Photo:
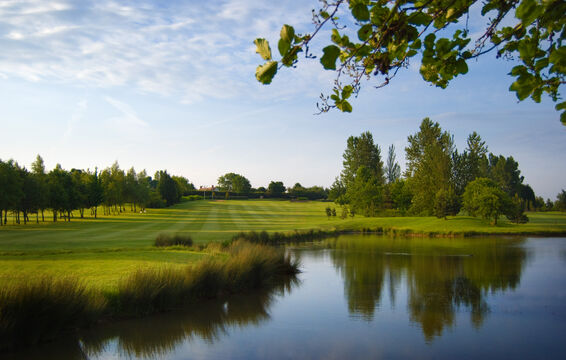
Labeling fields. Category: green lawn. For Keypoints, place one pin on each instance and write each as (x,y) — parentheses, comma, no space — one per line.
(101,251)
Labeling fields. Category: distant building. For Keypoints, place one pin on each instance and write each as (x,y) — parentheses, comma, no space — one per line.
(211,189)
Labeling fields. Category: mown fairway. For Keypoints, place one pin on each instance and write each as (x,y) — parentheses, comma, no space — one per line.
(101,251)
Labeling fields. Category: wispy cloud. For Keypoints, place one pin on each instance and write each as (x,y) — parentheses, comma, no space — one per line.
(189,51)
(128,115)
(77,116)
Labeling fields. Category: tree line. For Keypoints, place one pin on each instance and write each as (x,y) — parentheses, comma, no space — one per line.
(24,193)
(232,183)
(439,180)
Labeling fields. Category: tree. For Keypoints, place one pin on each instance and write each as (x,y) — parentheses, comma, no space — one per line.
(436,33)
(95,192)
(361,151)
(560,203)
(130,188)
(38,170)
(392,168)
(429,165)
(401,195)
(59,182)
(167,188)
(471,164)
(484,198)
(276,189)
(365,195)
(337,192)
(10,188)
(515,211)
(328,211)
(527,196)
(505,172)
(235,183)
(446,203)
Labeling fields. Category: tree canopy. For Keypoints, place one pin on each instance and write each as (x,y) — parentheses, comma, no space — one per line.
(377,38)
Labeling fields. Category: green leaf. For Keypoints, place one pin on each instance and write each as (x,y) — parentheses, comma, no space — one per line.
(419,18)
(335,37)
(287,35)
(344,106)
(461,66)
(265,73)
(328,60)
(360,12)
(283,47)
(263,49)
(365,32)
(528,11)
(347,91)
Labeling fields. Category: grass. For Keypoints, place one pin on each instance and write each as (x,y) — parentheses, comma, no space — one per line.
(116,266)
(100,251)
(36,310)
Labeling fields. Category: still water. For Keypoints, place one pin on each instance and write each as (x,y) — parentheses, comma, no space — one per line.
(367,297)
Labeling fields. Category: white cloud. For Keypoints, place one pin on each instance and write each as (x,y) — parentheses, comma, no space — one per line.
(186,50)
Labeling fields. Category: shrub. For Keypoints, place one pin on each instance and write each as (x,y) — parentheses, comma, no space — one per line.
(173,240)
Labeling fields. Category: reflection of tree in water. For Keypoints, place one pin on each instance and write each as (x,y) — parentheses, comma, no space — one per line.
(441,275)
(155,336)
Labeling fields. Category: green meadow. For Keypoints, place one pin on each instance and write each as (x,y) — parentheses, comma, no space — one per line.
(102,251)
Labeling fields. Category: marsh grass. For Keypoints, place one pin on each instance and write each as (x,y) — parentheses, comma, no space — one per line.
(249,266)
(280,238)
(164,239)
(37,310)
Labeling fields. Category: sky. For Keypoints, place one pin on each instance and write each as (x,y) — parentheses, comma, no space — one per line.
(170,85)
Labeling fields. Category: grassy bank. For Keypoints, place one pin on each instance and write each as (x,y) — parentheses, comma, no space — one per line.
(100,251)
(38,309)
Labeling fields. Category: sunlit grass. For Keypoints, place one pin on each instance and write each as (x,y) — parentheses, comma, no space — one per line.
(101,251)
(35,309)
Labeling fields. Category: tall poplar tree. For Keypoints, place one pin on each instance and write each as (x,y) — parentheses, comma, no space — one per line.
(429,165)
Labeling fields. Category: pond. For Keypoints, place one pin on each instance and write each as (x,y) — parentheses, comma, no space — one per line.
(366,297)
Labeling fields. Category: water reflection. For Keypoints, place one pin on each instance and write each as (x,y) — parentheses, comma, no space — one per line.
(156,336)
(440,276)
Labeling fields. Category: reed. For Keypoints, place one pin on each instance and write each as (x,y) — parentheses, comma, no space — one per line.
(37,310)
(279,238)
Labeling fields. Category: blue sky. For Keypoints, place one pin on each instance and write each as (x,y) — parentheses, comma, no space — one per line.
(170,85)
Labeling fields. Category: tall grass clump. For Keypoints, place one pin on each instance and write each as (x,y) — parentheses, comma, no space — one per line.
(173,240)
(249,266)
(253,266)
(39,309)
(278,238)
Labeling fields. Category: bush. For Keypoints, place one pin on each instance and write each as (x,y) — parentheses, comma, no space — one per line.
(193,197)
(173,240)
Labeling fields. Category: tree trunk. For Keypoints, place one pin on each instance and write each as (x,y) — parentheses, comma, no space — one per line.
(82,212)
(68,216)
(42,216)
(37,217)
(1,217)
(25,218)
(54,215)
(5,216)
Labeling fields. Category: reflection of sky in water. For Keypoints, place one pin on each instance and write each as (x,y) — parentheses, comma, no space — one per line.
(374,298)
